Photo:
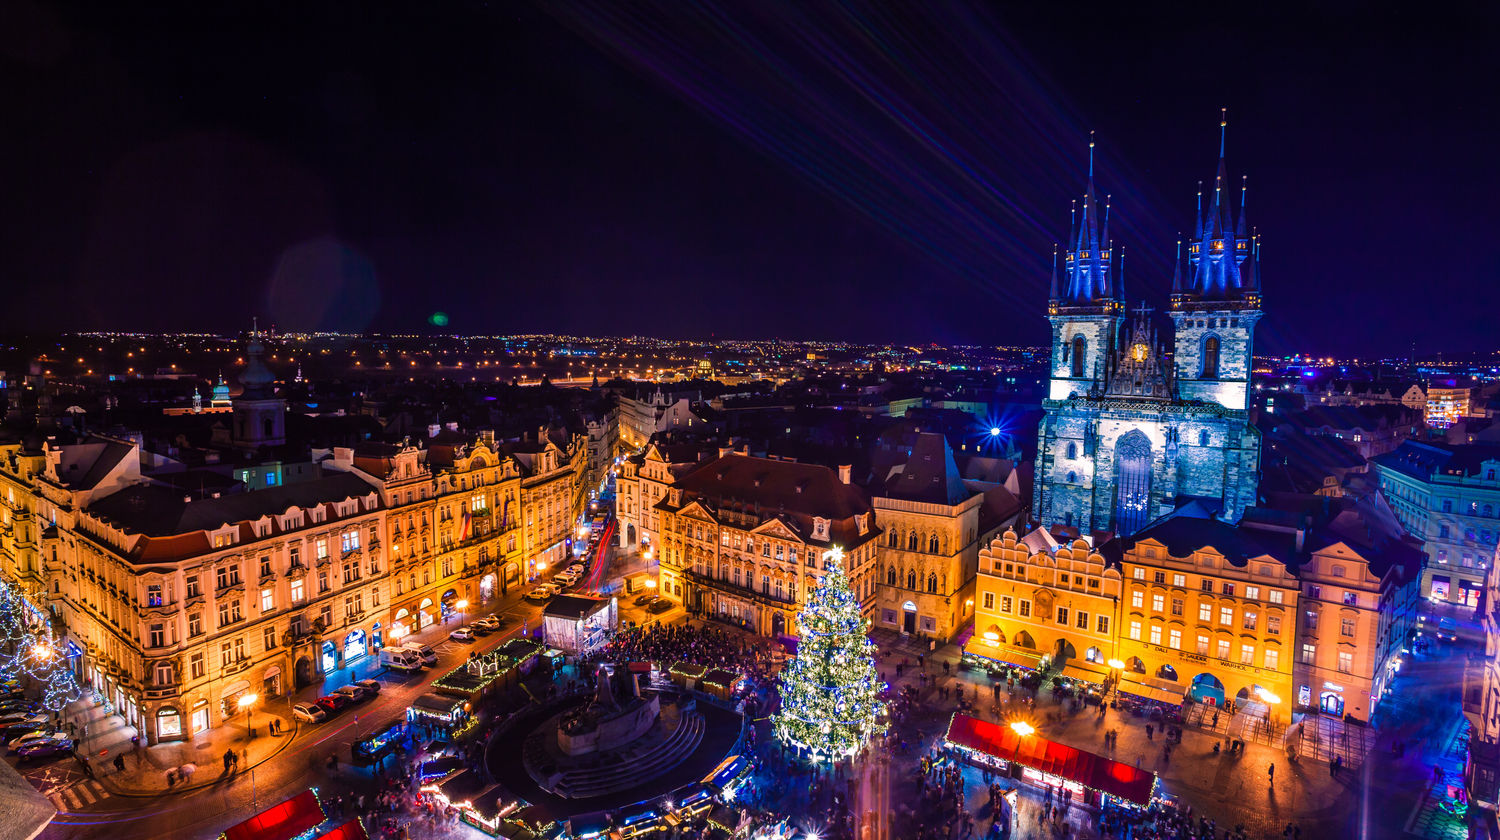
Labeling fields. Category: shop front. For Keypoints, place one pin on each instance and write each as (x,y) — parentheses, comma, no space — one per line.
(330,657)
(199,718)
(270,682)
(487,587)
(229,698)
(427,614)
(355,646)
(168,724)
(401,625)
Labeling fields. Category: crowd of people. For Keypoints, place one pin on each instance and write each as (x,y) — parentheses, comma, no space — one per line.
(700,644)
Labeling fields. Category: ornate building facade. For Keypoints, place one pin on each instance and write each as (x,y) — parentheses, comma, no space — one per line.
(1128,436)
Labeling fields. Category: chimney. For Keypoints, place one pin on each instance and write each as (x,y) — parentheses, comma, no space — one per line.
(844,471)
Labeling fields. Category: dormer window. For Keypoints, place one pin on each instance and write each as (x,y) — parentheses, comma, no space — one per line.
(820,528)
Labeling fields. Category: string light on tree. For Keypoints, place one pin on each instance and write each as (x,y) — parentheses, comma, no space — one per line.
(830,692)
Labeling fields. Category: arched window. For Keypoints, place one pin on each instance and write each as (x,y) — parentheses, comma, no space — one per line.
(1072,450)
(267,426)
(894,539)
(931,582)
(1203,438)
(911,541)
(890,576)
(911,580)
(1211,357)
(1080,347)
(932,545)
(1072,478)
(1489,510)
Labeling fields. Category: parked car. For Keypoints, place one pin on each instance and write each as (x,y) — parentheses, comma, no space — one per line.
(489,621)
(659,606)
(462,634)
(46,748)
(309,713)
(644,598)
(371,686)
(480,628)
(334,703)
(20,722)
(27,737)
(427,654)
(355,693)
(541,593)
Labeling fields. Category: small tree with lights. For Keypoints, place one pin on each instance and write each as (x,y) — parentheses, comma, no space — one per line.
(830,692)
(28,649)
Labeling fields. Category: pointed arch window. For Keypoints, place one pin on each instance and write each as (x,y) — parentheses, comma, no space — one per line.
(911,580)
(1080,348)
(1203,438)
(911,541)
(932,545)
(1072,478)
(1072,450)
(1211,357)
(894,540)
(931,582)
(890,576)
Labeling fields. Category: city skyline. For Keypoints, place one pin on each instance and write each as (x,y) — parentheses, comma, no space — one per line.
(363,180)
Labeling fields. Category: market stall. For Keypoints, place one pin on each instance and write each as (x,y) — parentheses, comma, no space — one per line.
(374,749)
(723,684)
(578,625)
(689,675)
(437,710)
(1093,779)
(283,821)
(351,830)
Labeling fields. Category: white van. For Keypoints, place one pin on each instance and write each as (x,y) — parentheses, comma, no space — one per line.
(400,659)
(425,654)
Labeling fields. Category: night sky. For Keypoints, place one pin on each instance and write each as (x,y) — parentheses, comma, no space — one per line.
(684,170)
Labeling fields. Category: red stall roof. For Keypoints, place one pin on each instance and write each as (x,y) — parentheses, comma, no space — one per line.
(351,830)
(1090,770)
(280,822)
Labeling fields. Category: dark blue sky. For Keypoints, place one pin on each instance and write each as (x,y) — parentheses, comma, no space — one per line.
(821,173)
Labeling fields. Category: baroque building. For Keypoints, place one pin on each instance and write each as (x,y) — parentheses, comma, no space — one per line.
(1129,436)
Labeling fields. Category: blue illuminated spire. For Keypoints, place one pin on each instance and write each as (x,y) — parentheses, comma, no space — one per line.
(1177,267)
(1086,262)
(1221,246)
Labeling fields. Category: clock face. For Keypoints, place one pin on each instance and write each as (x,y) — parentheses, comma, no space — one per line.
(1138,352)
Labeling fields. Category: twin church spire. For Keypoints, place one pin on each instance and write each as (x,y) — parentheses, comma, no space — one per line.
(1221,260)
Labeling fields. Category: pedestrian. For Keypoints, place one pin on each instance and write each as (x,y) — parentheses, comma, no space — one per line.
(171,777)
(120,763)
(1271,771)
(1149,730)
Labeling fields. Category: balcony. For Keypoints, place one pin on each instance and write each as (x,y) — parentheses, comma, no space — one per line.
(162,692)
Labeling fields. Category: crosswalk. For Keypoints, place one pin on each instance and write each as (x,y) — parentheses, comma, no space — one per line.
(77,796)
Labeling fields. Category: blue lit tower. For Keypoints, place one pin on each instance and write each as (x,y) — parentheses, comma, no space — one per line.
(1086,314)
(1216,306)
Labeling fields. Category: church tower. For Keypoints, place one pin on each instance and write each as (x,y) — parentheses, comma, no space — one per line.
(259,415)
(1216,305)
(1086,313)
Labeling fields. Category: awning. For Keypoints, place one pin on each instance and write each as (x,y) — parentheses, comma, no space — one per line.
(234,688)
(351,830)
(1018,657)
(280,822)
(1074,672)
(273,671)
(1151,692)
(1092,771)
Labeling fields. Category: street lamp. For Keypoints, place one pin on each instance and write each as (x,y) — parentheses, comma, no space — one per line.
(246,701)
(1022,729)
(462,605)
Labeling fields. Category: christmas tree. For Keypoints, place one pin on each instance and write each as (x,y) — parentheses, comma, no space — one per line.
(830,693)
(28,649)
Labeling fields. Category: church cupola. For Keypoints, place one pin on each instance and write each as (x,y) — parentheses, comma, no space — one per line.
(259,414)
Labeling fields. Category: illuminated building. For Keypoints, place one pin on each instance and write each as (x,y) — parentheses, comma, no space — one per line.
(1037,599)
(1447,403)
(742,536)
(1448,497)
(935,523)
(1126,436)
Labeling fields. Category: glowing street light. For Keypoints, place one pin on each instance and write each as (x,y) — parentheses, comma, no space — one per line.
(1022,729)
(1116,664)
(245,703)
(461,605)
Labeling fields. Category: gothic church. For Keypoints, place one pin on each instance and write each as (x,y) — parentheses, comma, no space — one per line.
(1128,435)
